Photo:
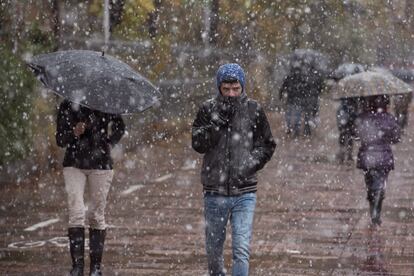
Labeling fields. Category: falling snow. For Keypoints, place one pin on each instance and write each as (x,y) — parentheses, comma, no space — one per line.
(312,216)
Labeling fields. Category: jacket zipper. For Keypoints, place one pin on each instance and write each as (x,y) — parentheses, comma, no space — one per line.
(229,131)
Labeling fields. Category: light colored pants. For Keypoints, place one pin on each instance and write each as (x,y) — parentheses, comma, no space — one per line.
(99,182)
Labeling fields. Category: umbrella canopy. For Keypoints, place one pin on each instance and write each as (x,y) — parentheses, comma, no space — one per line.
(98,81)
(308,61)
(403,74)
(347,69)
(369,83)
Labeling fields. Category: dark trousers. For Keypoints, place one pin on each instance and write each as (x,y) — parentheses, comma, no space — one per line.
(346,142)
(376,181)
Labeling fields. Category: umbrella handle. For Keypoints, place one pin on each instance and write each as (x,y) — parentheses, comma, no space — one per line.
(39,72)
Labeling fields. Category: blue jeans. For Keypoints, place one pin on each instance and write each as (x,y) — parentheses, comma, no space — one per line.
(293,117)
(217,211)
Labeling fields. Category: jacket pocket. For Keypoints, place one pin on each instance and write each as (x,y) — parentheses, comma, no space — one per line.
(247,167)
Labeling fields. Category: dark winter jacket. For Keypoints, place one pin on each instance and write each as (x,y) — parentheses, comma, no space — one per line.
(302,90)
(91,150)
(346,115)
(377,131)
(235,151)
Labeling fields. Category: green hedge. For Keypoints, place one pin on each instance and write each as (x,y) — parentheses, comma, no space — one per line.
(16,94)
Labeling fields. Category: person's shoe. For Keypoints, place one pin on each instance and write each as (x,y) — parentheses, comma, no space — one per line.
(340,157)
(77,249)
(96,247)
(376,221)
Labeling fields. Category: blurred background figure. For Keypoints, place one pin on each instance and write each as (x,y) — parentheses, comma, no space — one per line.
(301,89)
(347,113)
(402,101)
(293,90)
(345,116)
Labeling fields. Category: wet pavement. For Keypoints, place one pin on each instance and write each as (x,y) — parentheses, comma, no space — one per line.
(311,216)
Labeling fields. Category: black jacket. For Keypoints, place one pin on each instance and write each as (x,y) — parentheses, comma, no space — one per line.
(235,152)
(302,90)
(91,150)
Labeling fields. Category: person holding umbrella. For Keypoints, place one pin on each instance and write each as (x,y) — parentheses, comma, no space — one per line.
(302,88)
(377,130)
(84,133)
(97,89)
(233,134)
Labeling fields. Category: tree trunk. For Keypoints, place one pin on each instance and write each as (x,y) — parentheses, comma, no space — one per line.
(214,21)
(56,23)
(116,8)
(153,19)
(296,36)
(17,20)
(5,23)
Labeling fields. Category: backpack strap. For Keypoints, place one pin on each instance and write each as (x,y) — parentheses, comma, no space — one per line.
(252,108)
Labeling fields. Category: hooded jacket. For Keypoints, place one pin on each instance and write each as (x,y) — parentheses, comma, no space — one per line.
(234,152)
(377,131)
(91,150)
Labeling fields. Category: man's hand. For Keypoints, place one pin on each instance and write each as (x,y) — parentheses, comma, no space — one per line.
(79,129)
(222,114)
(219,120)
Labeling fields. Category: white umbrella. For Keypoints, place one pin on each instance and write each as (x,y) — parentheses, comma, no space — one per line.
(370,83)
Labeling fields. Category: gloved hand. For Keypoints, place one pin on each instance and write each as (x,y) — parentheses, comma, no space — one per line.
(222,114)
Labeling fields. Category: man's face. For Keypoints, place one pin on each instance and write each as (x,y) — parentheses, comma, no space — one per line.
(230,89)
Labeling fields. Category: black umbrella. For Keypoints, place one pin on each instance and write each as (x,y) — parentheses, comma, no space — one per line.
(98,81)
(309,61)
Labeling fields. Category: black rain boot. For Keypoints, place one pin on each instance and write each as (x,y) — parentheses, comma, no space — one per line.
(370,198)
(96,247)
(77,249)
(376,207)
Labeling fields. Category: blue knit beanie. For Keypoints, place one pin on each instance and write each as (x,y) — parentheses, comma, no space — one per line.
(230,72)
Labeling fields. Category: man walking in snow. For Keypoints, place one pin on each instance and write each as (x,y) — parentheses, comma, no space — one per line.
(233,133)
